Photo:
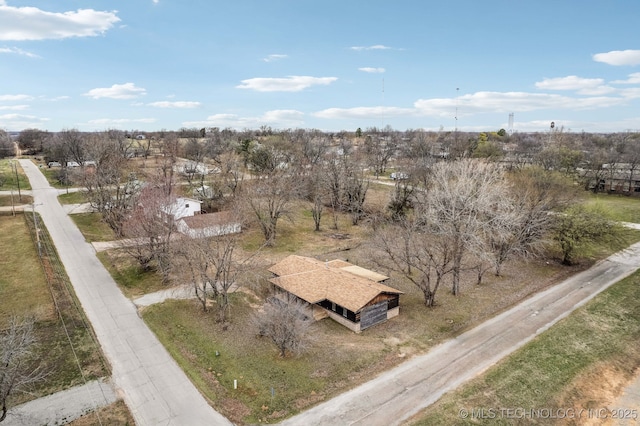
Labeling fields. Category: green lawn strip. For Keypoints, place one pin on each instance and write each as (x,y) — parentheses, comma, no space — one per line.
(24,291)
(537,376)
(8,176)
(193,337)
(133,281)
(77,197)
(595,252)
(617,207)
(23,287)
(93,227)
(52,174)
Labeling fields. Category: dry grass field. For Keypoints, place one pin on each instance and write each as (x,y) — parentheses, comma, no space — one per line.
(29,289)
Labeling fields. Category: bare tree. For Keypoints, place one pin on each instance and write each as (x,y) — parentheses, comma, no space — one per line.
(212,265)
(527,214)
(401,198)
(74,144)
(151,223)
(112,187)
(379,148)
(457,206)
(31,141)
(356,186)
(282,319)
(7,147)
(313,144)
(170,149)
(422,257)
(269,198)
(19,362)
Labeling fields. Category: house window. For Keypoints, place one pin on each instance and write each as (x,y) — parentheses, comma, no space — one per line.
(344,312)
(186,205)
(333,306)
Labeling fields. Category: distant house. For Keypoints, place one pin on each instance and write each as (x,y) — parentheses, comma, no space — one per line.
(623,178)
(351,295)
(182,207)
(209,225)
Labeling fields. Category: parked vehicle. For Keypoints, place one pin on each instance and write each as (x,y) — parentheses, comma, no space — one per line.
(399,176)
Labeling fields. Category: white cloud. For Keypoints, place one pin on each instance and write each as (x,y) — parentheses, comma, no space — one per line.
(274,57)
(294,83)
(480,103)
(372,70)
(13,107)
(176,104)
(633,79)
(630,93)
(117,91)
(374,47)
(280,116)
(571,82)
(619,57)
(584,86)
(486,102)
(9,98)
(20,121)
(31,23)
(275,118)
(18,51)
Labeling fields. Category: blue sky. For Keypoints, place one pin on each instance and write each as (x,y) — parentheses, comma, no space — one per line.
(331,65)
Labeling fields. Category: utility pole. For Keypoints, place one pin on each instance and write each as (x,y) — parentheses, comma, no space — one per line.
(455,133)
(15,169)
(35,223)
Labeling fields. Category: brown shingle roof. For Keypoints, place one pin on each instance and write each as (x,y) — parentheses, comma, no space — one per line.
(201,221)
(314,281)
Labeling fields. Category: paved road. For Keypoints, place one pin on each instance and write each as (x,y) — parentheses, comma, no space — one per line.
(154,388)
(396,395)
(66,405)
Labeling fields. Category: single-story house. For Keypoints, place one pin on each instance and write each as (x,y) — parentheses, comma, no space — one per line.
(349,294)
(183,207)
(209,225)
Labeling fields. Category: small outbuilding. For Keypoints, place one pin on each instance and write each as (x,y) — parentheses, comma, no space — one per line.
(209,225)
(183,207)
(355,297)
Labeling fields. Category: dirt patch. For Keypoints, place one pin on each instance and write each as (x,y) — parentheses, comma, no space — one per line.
(114,414)
(234,410)
(600,386)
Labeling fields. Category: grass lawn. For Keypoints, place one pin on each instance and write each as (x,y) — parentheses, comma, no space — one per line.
(125,271)
(618,207)
(8,176)
(23,287)
(269,387)
(579,363)
(340,359)
(5,200)
(92,227)
(24,292)
(77,197)
(114,414)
